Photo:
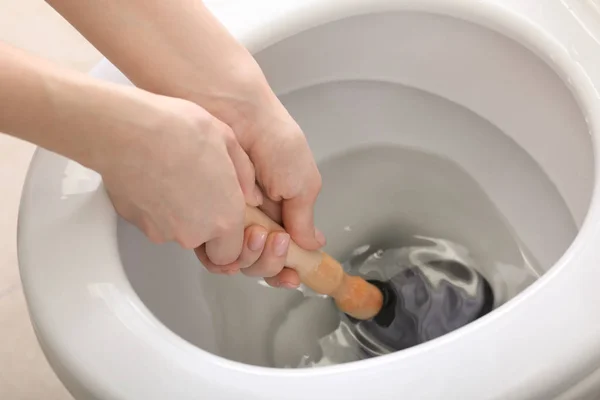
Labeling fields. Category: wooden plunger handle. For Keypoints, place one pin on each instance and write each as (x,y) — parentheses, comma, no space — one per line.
(323,274)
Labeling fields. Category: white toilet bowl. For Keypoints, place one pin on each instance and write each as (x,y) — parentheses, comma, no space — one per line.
(481,83)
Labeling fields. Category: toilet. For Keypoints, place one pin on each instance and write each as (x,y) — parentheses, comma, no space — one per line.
(506,91)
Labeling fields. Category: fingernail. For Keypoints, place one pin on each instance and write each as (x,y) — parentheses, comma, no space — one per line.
(258,195)
(288,285)
(257,240)
(232,271)
(282,241)
(320,237)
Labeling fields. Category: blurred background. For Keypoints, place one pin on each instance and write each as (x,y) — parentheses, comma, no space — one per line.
(24,373)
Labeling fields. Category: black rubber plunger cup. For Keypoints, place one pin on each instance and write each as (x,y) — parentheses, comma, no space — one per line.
(422,303)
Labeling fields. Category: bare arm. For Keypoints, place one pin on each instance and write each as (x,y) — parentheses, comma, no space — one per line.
(148,148)
(64,111)
(176,48)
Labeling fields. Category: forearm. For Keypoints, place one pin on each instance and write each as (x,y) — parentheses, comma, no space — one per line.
(63,111)
(175,48)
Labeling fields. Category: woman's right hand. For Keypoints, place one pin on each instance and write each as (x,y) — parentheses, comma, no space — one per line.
(179,174)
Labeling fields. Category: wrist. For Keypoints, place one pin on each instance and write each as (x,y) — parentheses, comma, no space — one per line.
(74,115)
(112,124)
(243,100)
(238,95)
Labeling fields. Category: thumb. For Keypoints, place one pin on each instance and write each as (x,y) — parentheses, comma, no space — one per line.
(298,219)
(245,173)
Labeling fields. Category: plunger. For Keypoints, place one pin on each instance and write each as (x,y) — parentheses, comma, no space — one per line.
(323,274)
(388,316)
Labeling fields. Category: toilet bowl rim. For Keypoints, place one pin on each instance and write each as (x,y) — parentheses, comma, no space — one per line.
(590,228)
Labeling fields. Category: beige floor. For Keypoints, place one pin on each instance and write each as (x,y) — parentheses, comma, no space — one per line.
(24,373)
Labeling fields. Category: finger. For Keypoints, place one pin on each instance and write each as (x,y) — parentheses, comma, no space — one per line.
(255,238)
(287,278)
(227,246)
(225,249)
(245,172)
(272,209)
(298,219)
(272,258)
(230,269)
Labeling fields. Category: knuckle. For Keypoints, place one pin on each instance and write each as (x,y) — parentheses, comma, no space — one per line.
(308,185)
(196,115)
(297,140)
(189,232)
(292,187)
(189,113)
(188,242)
(226,134)
(274,193)
(228,222)
(230,212)
(222,225)
(316,183)
(153,234)
(154,237)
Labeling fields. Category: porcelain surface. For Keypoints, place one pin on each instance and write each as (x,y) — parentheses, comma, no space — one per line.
(105,344)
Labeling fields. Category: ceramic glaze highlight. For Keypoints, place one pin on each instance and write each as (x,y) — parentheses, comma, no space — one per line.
(540,88)
(393,197)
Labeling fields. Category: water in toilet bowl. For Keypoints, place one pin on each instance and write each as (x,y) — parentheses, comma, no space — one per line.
(443,283)
(404,172)
(436,289)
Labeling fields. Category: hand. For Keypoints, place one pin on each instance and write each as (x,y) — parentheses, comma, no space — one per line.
(179,174)
(285,170)
(207,66)
(284,165)
(263,255)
